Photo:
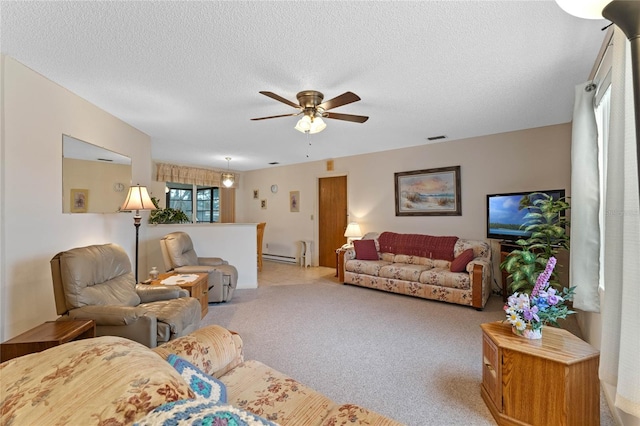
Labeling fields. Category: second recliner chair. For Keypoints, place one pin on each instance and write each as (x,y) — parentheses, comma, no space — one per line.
(179,256)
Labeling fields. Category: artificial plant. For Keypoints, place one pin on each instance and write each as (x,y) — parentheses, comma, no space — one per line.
(547,222)
(166,215)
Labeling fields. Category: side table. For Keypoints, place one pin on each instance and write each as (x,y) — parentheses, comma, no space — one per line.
(45,336)
(197,289)
(340,263)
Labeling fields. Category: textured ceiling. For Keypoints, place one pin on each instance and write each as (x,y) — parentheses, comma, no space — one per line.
(188,73)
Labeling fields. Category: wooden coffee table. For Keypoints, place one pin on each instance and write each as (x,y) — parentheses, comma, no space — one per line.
(198,288)
(45,336)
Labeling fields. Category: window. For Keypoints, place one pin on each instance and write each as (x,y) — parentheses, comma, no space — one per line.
(206,202)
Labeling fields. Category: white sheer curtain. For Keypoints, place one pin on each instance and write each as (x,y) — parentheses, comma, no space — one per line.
(585,201)
(620,345)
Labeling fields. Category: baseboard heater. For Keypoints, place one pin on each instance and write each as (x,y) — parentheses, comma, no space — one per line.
(279,258)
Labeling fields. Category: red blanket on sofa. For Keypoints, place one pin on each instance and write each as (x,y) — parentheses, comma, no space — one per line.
(418,245)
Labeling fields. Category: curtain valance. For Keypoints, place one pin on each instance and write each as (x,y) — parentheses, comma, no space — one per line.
(191,175)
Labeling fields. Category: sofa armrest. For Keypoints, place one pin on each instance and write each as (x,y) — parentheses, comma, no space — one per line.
(154,293)
(110,315)
(479,270)
(212,261)
(213,349)
(350,254)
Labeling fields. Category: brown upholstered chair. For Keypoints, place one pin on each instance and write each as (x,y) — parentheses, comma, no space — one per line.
(260,233)
(179,256)
(96,282)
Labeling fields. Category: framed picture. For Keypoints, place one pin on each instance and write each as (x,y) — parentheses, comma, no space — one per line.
(256,194)
(294,201)
(263,204)
(79,200)
(431,192)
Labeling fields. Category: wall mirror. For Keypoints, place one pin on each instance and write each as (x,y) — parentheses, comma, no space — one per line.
(94,179)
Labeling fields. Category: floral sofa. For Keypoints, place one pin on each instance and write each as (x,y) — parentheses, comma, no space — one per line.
(449,269)
(110,380)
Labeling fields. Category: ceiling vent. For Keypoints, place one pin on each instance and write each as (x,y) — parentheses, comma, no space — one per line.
(435,138)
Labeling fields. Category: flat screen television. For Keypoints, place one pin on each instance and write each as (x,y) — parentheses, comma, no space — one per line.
(504,220)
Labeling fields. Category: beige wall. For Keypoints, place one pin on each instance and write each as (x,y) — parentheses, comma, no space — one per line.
(533,159)
(36,113)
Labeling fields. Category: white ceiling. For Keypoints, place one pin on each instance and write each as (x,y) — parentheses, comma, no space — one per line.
(188,73)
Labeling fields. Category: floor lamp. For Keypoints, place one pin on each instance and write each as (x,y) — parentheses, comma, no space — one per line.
(137,199)
(626,15)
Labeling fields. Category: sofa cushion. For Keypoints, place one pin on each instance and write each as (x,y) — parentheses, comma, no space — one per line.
(200,412)
(459,264)
(402,271)
(368,267)
(268,393)
(202,384)
(110,380)
(430,246)
(442,277)
(365,249)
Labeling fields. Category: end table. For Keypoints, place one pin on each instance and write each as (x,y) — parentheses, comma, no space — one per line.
(45,336)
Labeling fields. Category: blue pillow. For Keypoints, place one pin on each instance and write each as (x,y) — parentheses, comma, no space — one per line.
(201,383)
(198,412)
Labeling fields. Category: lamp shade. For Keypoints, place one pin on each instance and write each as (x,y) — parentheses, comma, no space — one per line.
(138,199)
(228,179)
(353,231)
(587,9)
(304,124)
(317,125)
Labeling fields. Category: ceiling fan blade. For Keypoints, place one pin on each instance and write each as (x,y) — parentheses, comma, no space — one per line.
(344,99)
(276,116)
(281,99)
(346,117)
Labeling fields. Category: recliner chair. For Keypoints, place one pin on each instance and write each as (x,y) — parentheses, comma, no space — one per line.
(178,255)
(96,282)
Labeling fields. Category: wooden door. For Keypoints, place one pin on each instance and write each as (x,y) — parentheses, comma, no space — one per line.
(332,218)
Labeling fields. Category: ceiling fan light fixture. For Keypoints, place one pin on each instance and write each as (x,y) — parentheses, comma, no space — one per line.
(228,178)
(317,125)
(304,124)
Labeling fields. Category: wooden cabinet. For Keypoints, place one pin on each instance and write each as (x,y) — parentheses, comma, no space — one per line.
(551,381)
(197,289)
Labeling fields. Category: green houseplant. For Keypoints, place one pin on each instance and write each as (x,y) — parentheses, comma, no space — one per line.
(547,222)
(166,215)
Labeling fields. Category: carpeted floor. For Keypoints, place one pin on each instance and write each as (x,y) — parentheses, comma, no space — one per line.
(414,360)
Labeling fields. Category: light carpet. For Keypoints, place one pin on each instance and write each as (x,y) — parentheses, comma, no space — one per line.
(413,360)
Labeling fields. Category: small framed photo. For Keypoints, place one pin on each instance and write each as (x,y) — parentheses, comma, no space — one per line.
(79,200)
(256,194)
(263,204)
(431,192)
(294,201)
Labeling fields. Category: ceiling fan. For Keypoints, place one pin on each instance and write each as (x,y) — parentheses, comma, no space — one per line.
(310,104)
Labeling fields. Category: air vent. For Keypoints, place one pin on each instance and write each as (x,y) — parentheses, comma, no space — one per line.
(105,159)
(435,138)
(273,163)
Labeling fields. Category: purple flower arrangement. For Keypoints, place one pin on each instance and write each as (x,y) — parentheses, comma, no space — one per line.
(528,313)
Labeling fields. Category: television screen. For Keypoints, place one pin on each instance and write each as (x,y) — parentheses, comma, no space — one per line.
(504,220)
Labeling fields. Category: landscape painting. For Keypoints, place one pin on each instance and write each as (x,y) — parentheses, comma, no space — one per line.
(431,192)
